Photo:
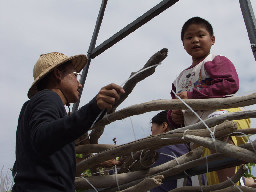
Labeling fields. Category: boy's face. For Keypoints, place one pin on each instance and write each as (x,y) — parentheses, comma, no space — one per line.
(197,42)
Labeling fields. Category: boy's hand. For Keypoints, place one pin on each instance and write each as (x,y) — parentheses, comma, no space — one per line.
(177,117)
(108,95)
(183,95)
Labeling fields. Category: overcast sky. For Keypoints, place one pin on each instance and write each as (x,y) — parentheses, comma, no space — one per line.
(30,28)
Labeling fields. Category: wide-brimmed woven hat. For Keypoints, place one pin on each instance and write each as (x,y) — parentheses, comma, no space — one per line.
(47,62)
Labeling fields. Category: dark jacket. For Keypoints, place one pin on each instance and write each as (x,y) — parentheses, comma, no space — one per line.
(45,151)
(165,154)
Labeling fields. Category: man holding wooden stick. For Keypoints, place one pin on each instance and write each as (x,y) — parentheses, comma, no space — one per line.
(45,151)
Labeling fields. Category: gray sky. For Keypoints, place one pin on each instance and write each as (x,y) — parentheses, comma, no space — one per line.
(30,28)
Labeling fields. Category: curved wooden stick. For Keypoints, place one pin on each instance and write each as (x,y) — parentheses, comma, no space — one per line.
(173,170)
(235,189)
(93,148)
(146,184)
(152,142)
(157,58)
(110,180)
(196,104)
(222,185)
(223,147)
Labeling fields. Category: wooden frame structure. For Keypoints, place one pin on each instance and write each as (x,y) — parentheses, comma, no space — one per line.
(93,52)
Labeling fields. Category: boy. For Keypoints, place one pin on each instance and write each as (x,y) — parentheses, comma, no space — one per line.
(45,151)
(209,76)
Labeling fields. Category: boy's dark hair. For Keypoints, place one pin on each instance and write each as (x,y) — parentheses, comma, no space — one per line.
(43,83)
(160,118)
(198,21)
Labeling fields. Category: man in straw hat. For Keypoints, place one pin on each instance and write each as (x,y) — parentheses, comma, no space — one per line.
(45,151)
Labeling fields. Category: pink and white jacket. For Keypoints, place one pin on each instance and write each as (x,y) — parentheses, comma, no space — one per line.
(214,77)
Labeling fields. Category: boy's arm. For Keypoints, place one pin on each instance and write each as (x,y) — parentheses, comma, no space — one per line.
(170,113)
(224,80)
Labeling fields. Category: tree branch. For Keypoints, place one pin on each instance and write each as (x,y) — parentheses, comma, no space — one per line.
(110,180)
(157,58)
(196,104)
(223,147)
(146,184)
(152,142)
(222,185)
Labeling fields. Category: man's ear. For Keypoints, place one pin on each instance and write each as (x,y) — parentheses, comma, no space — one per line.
(57,74)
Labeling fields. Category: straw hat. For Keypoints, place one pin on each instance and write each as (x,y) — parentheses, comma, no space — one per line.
(47,62)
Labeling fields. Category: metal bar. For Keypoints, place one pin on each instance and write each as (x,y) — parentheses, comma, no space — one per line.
(159,8)
(250,23)
(91,47)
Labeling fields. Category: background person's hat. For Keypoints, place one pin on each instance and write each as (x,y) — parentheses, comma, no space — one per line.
(47,62)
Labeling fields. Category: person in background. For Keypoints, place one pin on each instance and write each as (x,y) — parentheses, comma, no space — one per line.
(209,76)
(161,125)
(45,150)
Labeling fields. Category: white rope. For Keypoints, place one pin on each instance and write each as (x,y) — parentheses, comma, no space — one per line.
(89,183)
(207,170)
(250,141)
(117,179)
(122,86)
(212,136)
(140,72)
(97,118)
(107,118)
(234,184)
(193,111)
(175,158)
(169,156)
(184,133)
(141,161)
(211,132)
(132,155)
(179,164)
(133,131)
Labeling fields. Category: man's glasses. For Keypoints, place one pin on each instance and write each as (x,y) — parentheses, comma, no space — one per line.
(77,75)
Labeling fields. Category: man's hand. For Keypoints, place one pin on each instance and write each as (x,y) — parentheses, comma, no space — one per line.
(177,117)
(183,95)
(108,95)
